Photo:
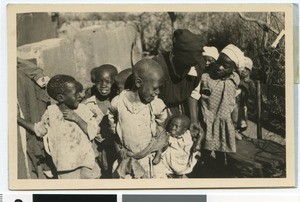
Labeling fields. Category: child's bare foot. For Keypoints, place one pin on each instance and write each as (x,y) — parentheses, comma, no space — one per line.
(238,136)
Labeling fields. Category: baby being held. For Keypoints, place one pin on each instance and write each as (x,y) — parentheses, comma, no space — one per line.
(179,158)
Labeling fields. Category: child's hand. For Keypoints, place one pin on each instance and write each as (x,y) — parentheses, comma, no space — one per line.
(70,115)
(124,153)
(156,160)
(198,142)
(195,128)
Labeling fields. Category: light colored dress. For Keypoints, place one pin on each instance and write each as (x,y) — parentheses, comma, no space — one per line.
(136,125)
(178,158)
(91,103)
(217,108)
(69,147)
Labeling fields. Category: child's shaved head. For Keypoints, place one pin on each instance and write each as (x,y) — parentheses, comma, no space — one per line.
(148,78)
(58,84)
(147,69)
(97,72)
(185,120)
(178,125)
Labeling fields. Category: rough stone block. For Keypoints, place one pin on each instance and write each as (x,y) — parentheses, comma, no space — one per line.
(97,45)
(55,56)
(34,27)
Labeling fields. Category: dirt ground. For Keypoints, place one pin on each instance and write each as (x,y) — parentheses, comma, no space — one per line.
(267,135)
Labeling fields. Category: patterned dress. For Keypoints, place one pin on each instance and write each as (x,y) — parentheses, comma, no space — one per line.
(217,103)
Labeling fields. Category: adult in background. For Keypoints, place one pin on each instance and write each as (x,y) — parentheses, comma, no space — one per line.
(183,67)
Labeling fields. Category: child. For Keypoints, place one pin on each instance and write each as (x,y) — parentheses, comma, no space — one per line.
(210,56)
(135,116)
(124,80)
(67,129)
(246,88)
(178,158)
(218,90)
(98,100)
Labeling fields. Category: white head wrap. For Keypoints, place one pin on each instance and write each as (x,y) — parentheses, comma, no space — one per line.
(248,63)
(236,55)
(211,51)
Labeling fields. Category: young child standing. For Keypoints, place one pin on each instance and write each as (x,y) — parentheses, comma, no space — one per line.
(245,89)
(98,100)
(218,90)
(179,157)
(135,116)
(210,55)
(67,129)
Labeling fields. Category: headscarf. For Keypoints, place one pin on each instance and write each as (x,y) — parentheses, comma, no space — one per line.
(211,51)
(236,55)
(248,63)
(187,49)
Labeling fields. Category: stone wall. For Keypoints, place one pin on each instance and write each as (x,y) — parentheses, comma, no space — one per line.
(34,27)
(97,45)
(55,56)
(88,47)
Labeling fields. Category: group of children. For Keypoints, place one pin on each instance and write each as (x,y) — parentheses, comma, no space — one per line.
(225,88)
(119,128)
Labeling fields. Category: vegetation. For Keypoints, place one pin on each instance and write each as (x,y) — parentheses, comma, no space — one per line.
(254,33)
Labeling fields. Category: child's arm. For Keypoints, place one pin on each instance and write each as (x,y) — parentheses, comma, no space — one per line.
(26,124)
(160,112)
(113,115)
(70,115)
(40,129)
(193,109)
(195,124)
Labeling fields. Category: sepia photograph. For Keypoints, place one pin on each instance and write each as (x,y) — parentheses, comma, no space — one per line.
(152,96)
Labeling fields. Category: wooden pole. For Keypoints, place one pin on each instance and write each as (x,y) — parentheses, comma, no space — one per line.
(259,119)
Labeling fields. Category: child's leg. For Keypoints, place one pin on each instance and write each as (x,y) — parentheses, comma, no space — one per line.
(235,116)
(207,164)
(243,108)
(221,169)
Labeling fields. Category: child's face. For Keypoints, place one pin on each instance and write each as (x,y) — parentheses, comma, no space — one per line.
(81,95)
(176,127)
(208,60)
(150,88)
(81,92)
(225,66)
(104,83)
(244,73)
(71,97)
